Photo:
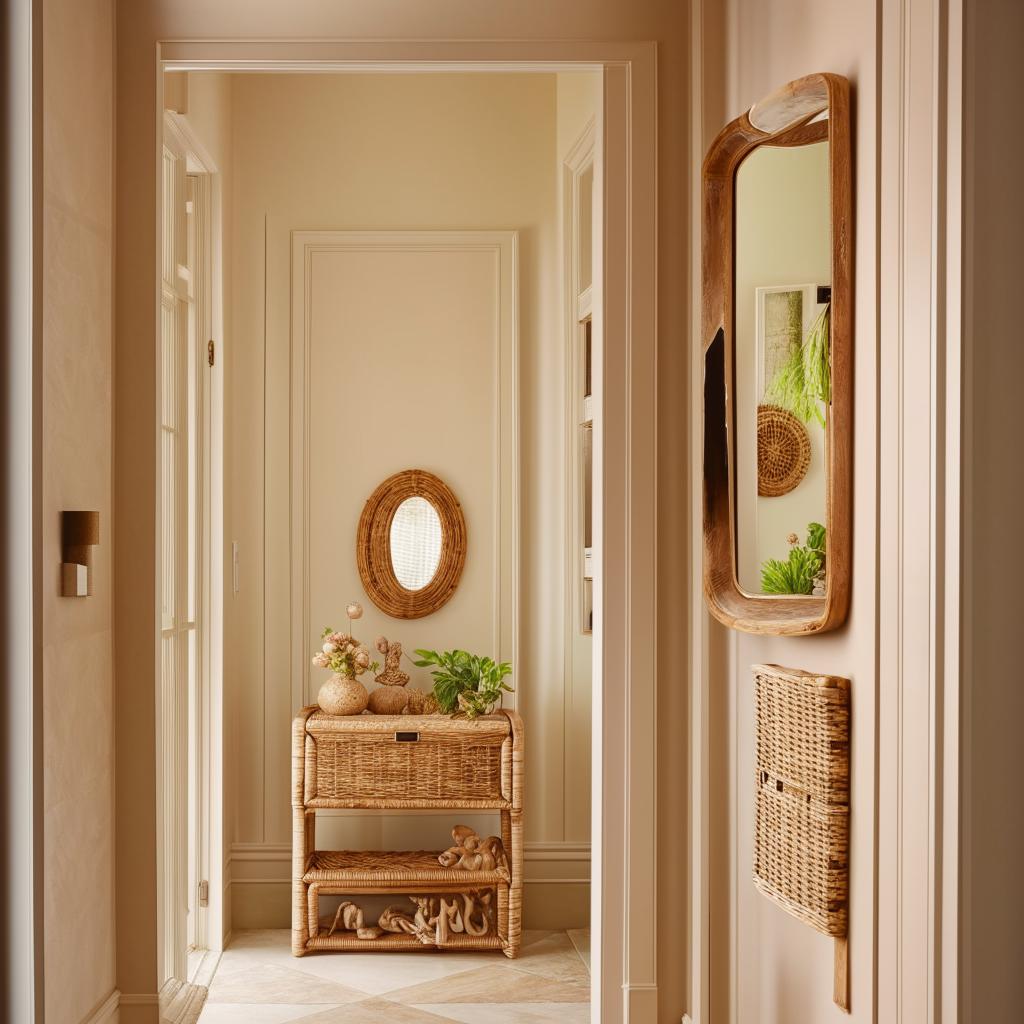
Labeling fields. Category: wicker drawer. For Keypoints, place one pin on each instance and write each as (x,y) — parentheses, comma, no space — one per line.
(407,761)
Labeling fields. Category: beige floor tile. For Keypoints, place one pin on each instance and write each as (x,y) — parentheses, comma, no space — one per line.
(268,983)
(248,1013)
(500,983)
(553,957)
(377,973)
(376,1011)
(513,1013)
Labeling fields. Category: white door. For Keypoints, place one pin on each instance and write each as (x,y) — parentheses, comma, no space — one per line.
(178,647)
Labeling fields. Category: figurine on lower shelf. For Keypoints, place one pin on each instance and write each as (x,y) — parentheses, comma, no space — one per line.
(397,920)
(349,918)
(438,918)
(471,853)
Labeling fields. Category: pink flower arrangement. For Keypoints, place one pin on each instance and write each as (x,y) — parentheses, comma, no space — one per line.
(344,655)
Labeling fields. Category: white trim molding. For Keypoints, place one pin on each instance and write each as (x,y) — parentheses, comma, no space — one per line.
(919,514)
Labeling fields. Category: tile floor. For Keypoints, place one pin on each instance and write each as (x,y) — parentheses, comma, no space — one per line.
(258,981)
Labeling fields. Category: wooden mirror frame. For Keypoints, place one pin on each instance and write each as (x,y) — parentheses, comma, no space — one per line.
(373,545)
(782,119)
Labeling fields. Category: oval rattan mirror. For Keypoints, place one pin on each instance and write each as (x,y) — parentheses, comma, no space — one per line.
(411,544)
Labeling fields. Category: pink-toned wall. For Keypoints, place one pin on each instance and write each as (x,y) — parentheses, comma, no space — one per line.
(140,26)
(77,385)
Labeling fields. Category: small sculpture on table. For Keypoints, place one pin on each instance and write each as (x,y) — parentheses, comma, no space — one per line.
(471,853)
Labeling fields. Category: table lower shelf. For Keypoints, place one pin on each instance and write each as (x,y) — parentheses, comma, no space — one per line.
(394,871)
(401,943)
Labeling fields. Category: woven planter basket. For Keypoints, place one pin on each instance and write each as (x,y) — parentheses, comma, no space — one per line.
(783,451)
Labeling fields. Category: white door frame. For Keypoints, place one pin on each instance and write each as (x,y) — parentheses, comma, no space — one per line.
(624,864)
(202,723)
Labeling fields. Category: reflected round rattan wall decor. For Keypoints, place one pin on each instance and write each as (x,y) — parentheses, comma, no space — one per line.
(374,546)
(783,451)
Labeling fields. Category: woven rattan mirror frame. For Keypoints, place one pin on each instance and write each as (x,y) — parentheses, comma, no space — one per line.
(373,545)
(785,118)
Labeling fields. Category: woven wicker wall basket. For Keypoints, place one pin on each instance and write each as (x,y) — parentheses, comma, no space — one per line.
(801,843)
(783,451)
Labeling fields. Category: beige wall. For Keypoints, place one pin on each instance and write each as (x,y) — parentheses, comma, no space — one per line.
(766,966)
(78,688)
(396,152)
(140,26)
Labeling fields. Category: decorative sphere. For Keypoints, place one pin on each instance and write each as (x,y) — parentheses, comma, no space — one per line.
(355,610)
(388,700)
(341,696)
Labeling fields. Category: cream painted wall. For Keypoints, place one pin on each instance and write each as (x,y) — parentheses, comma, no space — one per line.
(783,236)
(139,27)
(395,152)
(766,966)
(77,367)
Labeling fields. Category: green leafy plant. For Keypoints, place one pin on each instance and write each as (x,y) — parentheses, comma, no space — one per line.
(464,683)
(802,570)
(805,380)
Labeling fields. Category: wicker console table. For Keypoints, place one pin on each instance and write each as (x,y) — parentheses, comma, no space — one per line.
(398,762)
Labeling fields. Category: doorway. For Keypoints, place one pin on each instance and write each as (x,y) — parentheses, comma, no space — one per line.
(243,855)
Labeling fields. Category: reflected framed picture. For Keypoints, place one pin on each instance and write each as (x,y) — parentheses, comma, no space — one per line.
(782,317)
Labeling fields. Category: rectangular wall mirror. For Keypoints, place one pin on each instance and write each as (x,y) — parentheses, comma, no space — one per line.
(777,321)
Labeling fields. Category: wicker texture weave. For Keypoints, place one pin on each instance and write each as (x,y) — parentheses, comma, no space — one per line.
(803,788)
(404,761)
(783,451)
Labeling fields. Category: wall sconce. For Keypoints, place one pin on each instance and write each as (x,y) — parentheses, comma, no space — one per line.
(79,533)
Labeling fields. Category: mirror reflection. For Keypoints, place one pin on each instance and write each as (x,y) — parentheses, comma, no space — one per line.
(782,372)
(415,542)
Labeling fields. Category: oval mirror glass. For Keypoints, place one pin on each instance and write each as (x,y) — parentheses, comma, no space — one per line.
(415,542)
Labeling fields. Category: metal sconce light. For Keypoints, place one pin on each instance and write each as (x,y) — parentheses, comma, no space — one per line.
(79,534)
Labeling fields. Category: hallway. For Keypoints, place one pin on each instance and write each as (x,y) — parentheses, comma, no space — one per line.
(258,981)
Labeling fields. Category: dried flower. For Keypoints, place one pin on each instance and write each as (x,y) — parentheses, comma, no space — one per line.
(354,610)
(793,539)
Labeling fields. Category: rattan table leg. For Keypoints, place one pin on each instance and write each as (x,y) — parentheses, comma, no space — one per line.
(300,832)
(515,889)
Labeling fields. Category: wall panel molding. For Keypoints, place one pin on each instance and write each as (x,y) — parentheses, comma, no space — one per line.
(919,536)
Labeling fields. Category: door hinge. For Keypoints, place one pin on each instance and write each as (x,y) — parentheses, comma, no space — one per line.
(210,352)
(204,893)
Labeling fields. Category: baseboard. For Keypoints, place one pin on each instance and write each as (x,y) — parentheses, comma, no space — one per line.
(106,1012)
(138,1008)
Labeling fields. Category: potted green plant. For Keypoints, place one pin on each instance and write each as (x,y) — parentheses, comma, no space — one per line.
(466,684)
(804,382)
(803,572)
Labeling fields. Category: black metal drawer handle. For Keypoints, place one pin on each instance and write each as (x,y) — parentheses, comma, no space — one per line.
(407,737)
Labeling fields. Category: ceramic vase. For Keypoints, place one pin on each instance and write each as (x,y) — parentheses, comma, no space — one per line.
(342,696)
